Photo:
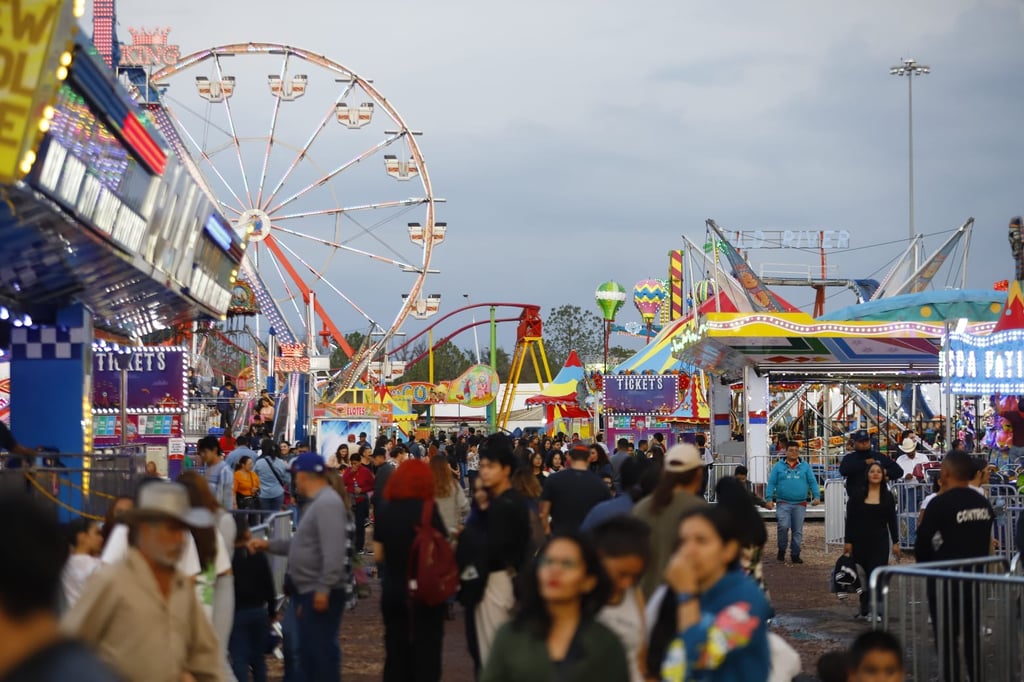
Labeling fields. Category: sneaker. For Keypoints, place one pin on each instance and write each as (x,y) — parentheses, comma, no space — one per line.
(781,556)
(797,560)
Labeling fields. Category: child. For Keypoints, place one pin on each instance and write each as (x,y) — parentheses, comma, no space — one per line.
(876,656)
(623,543)
(255,607)
(741,475)
(86,541)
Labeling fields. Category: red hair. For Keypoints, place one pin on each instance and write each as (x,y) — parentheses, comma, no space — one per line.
(412,480)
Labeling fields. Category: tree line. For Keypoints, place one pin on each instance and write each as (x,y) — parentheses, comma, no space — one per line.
(566,328)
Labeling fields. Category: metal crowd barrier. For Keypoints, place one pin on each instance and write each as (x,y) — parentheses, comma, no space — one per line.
(957,620)
(79,484)
(278,526)
(1008,505)
(835,513)
(909,495)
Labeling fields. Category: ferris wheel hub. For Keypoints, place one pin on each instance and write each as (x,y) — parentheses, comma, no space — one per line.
(258,221)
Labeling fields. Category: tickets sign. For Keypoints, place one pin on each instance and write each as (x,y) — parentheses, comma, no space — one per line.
(644,393)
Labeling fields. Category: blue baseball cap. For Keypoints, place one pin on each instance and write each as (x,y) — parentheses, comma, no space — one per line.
(309,462)
(860,435)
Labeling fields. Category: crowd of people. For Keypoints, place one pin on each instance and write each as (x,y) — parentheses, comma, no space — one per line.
(572,563)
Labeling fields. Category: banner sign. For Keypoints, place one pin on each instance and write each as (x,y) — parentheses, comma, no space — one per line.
(157,378)
(980,365)
(143,429)
(644,393)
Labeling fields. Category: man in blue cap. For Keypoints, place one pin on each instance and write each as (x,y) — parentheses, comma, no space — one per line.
(855,464)
(317,567)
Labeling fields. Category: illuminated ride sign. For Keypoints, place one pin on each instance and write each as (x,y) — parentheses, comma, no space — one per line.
(980,365)
(791,239)
(34,39)
(149,48)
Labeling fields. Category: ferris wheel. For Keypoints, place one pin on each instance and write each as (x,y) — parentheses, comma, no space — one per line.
(326,177)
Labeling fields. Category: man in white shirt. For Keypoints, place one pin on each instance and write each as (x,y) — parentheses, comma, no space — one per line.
(909,461)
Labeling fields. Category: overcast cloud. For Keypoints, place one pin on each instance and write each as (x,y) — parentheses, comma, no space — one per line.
(575,141)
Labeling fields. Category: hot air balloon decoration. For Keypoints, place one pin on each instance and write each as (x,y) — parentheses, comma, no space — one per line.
(610,296)
(704,290)
(648,295)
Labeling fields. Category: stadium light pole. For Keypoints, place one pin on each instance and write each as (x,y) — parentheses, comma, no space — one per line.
(909,67)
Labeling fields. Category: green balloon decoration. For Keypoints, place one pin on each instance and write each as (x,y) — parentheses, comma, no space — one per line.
(610,297)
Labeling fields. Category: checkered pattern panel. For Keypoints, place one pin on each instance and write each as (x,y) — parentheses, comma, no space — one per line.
(48,343)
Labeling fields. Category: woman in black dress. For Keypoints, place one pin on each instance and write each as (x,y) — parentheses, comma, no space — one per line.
(870,525)
(413,632)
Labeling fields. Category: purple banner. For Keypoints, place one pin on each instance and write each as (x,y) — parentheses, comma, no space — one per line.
(156,378)
(641,393)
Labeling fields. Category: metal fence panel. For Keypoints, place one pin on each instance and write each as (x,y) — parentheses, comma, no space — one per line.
(957,620)
(835,513)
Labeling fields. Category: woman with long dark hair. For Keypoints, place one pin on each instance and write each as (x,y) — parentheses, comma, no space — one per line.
(712,622)
(731,494)
(413,632)
(215,582)
(555,633)
(598,461)
(116,513)
(870,525)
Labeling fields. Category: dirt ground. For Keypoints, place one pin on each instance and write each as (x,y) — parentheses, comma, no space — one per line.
(809,617)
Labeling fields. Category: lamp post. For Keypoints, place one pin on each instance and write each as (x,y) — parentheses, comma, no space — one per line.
(610,296)
(909,67)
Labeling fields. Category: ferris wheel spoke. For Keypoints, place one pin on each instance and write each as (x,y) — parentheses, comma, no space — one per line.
(270,139)
(202,117)
(208,159)
(412,201)
(344,247)
(287,287)
(326,281)
(229,207)
(370,232)
(383,144)
(309,142)
(234,134)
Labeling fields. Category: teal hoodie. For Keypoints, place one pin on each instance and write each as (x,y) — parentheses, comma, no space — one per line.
(791,484)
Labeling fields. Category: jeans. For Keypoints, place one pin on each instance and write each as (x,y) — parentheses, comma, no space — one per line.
(248,642)
(790,516)
(320,650)
(290,643)
(272,503)
(362,512)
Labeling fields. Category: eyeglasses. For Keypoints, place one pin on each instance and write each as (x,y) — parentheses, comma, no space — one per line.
(567,564)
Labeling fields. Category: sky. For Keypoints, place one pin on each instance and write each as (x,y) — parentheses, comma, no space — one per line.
(576,141)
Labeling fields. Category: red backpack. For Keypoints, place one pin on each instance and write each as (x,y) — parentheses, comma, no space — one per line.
(433,573)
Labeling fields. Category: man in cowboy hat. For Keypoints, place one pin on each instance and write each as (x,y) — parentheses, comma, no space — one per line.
(909,461)
(141,615)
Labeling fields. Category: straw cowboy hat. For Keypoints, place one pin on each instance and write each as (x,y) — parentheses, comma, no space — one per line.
(162,500)
(908,445)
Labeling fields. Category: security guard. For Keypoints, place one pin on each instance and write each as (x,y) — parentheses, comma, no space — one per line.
(855,464)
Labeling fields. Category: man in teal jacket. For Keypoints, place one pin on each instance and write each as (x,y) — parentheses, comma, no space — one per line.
(790,484)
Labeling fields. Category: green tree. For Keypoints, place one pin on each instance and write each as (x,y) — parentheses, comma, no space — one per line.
(449,363)
(568,328)
(339,358)
(618,355)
